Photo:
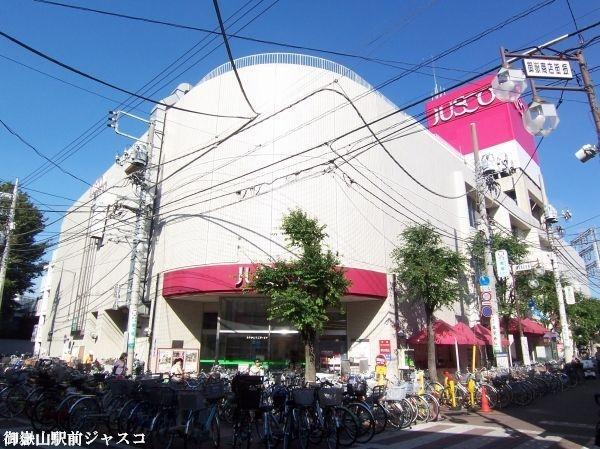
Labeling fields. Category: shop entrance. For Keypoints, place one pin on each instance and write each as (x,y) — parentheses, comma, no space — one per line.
(239,333)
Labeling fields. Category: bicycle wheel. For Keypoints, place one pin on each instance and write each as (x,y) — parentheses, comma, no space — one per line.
(347,426)
(409,413)
(394,414)
(330,432)
(32,398)
(62,419)
(83,415)
(303,426)
(15,400)
(44,414)
(125,413)
(195,432)
(366,422)
(434,406)
(112,413)
(215,431)
(161,436)
(381,417)
(422,408)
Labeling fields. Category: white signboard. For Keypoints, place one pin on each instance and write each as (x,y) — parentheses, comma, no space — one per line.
(569,294)
(502,266)
(525,350)
(524,266)
(547,68)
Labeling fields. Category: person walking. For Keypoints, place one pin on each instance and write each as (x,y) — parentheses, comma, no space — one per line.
(120,366)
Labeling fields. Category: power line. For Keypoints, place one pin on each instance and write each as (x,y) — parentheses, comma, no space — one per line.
(230,55)
(106,83)
(40,154)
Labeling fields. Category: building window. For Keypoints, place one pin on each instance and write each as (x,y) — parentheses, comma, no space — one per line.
(471,208)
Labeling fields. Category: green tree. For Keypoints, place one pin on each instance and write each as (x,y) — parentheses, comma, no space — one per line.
(428,272)
(25,258)
(584,316)
(301,290)
(517,250)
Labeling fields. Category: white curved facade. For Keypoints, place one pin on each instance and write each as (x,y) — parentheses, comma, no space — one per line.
(224,185)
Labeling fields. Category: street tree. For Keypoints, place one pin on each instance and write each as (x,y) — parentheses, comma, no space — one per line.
(25,259)
(585,320)
(301,290)
(428,273)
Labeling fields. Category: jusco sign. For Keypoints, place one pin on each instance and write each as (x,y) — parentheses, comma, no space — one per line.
(450,115)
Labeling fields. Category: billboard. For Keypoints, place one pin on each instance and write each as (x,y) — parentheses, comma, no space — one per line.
(449,116)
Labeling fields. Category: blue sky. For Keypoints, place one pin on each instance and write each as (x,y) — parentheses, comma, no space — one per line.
(51,114)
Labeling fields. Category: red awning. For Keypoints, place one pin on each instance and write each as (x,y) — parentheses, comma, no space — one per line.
(467,337)
(485,335)
(529,327)
(444,334)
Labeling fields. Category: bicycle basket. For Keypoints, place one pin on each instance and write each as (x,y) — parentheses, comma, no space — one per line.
(303,396)
(357,387)
(396,393)
(162,396)
(15,377)
(378,393)
(190,400)
(214,390)
(248,391)
(119,387)
(330,397)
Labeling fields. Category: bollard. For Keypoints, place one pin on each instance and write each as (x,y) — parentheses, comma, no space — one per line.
(471,388)
(452,393)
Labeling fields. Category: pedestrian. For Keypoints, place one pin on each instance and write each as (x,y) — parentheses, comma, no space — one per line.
(257,369)
(176,373)
(597,357)
(120,366)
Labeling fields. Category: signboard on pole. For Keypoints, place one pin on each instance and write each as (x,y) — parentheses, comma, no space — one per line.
(502,266)
(569,294)
(524,266)
(385,348)
(547,68)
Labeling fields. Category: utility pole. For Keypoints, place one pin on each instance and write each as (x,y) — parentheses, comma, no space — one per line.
(485,227)
(9,228)
(137,161)
(562,311)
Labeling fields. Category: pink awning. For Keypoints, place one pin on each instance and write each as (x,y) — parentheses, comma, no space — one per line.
(444,334)
(466,335)
(529,326)
(485,335)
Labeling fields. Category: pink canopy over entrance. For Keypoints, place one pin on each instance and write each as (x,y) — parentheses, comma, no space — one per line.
(467,337)
(529,327)
(444,334)
(485,335)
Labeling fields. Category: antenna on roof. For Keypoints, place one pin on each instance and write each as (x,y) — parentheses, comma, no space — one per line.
(436,87)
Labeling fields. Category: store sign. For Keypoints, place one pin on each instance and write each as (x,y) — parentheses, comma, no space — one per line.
(450,117)
(527,266)
(385,348)
(547,68)
(502,266)
(257,337)
(233,278)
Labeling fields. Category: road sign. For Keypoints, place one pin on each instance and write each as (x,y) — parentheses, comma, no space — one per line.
(484,280)
(547,68)
(524,266)
(569,294)
(502,266)
(486,311)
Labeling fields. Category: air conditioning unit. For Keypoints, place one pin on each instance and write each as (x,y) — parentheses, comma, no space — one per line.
(550,214)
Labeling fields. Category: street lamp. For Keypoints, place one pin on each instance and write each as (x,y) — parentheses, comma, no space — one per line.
(586,152)
(540,118)
(509,84)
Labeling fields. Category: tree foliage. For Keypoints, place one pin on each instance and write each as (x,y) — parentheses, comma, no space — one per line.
(301,290)
(428,272)
(517,250)
(584,316)
(25,258)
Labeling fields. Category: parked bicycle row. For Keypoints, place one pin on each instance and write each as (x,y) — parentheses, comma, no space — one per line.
(259,411)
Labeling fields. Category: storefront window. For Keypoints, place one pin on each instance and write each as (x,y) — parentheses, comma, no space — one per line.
(239,314)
